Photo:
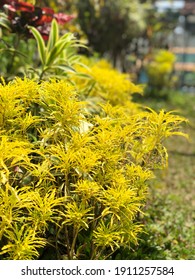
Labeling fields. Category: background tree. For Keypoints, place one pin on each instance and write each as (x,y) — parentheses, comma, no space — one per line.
(111,25)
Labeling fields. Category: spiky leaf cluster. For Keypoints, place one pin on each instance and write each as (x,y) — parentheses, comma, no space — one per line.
(71,177)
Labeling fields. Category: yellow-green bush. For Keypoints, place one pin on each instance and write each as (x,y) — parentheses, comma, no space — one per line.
(160,73)
(73,179)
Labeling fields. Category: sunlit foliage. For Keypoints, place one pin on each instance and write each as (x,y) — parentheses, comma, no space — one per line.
(75,176)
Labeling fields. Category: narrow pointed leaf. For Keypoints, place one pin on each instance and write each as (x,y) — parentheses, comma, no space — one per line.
(11,50)
(53,36)
(40,44)
(68,37)
(65,68)
(4,24)
(56,51)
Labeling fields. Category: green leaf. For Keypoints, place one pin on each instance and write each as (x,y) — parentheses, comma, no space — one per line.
(56,51)
(65,68)
(11,50)
(68,37)
(53,36)
(4,21)
(73,58)
(83,75)
(4,24)
(40,44)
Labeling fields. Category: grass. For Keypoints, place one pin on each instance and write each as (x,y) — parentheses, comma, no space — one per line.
(170,219)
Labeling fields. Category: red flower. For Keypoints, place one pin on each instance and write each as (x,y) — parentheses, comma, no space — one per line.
(22,14)
(46,16)
(14,6)
(44,30)
(63,18)
(9,2)
(24,7)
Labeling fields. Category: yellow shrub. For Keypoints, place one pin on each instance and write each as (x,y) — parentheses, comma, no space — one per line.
(76,175)
(160,73)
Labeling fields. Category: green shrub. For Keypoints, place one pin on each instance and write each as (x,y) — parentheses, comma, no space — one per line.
(73,179)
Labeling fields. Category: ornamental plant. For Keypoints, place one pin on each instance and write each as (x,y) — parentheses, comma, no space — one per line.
(160,73)
(75,161)
(21,14)
(58,56)
(19,23)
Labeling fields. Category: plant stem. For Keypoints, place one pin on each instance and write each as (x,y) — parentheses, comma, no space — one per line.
(15,45)
(76,231)
(107,256)
(68,243)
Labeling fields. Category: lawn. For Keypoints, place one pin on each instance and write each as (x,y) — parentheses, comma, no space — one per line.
(170,220)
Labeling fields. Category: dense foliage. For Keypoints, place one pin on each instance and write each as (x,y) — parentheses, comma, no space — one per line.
(76,153)
(74,176)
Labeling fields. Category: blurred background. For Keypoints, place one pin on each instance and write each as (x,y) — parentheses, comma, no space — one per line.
(128,31)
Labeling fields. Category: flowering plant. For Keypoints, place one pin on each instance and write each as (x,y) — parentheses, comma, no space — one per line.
(21,14)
